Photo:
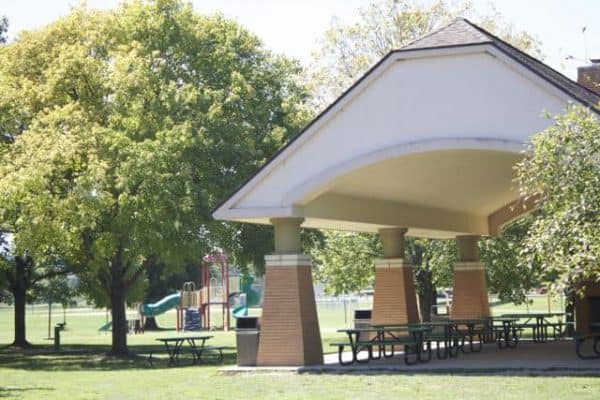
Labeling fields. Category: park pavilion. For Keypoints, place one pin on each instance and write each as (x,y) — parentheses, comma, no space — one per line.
(424,144)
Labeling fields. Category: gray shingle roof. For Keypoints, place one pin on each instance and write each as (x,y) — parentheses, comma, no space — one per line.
(462,32)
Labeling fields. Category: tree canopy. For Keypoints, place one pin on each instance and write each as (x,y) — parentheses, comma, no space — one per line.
(123,128)
(562,170)
(346,51)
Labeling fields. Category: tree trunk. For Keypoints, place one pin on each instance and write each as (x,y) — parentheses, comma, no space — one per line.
(570,312)
(434,303)
(119,322)
(19,289)
(426,295)
(49,318)
(20,337)
(150,324)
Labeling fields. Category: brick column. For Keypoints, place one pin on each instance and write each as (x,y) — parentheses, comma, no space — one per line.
(289,332)
(469,292)
(394,298)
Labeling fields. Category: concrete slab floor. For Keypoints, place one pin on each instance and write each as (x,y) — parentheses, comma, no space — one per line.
(528,358)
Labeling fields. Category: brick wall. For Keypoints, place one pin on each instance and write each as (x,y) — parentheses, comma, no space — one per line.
(289,326)
(469,293)
(395,300)
(582,308)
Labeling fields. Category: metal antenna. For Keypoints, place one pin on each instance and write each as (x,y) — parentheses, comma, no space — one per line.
(585,47)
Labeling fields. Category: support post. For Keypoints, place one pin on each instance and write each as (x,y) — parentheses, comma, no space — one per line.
(394,298)
(469,292)
(289,328)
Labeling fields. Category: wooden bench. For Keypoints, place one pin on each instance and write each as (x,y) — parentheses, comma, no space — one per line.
(410,347)
(341,346)
(581,339)
(211,349)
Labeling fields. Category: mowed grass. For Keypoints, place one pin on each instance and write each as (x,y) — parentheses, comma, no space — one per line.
(91,375)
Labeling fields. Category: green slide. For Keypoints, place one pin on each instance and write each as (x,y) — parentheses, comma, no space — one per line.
(161,306)
(106,327)
(240,311)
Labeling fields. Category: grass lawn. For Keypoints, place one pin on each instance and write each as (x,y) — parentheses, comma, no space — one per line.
(91,375)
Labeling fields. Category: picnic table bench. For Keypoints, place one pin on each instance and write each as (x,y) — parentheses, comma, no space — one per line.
(581,339)
(506,333)
(173,346)
(594,335)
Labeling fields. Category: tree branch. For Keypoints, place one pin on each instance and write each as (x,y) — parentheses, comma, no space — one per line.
(138,273)
(49,274)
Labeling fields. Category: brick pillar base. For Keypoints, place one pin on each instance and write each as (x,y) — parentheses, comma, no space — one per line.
(469,292)
(394,297)
(583,312)
(289,331)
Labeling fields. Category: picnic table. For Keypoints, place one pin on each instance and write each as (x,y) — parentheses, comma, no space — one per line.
(384,336)
(539,325)
(454,333)
(197,345)
(415,336)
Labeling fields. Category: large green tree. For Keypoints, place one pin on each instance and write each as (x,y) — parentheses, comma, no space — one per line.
(562,170)
(124,128)
(24,277)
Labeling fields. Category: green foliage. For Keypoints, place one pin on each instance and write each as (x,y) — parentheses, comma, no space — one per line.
(21,272)
(122,129)
(58,289)
(562,168)
(432,256)
(344,262)
(347,51)
(508,276)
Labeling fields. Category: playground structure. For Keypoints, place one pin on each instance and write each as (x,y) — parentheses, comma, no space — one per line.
(216,289)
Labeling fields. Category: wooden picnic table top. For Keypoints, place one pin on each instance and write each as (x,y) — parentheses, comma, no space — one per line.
(456,321)
(504,319)
(533,315)
(177,338)
(390,327)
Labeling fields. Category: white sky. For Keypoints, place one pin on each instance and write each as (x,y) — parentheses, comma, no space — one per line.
(292,27)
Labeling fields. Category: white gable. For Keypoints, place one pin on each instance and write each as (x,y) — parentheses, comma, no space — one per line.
(472,98)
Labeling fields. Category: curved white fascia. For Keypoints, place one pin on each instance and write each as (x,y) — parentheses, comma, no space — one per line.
(312,187)
(241,214)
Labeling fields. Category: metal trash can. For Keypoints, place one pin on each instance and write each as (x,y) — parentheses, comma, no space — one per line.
(362,319)
(246,339)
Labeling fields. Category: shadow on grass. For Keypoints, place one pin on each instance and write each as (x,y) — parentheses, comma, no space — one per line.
(92,357)
(9,392)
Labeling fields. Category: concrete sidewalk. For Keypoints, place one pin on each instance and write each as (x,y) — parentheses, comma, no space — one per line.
(529,358)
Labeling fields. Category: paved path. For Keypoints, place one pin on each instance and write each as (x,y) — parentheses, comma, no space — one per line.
(551,358)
